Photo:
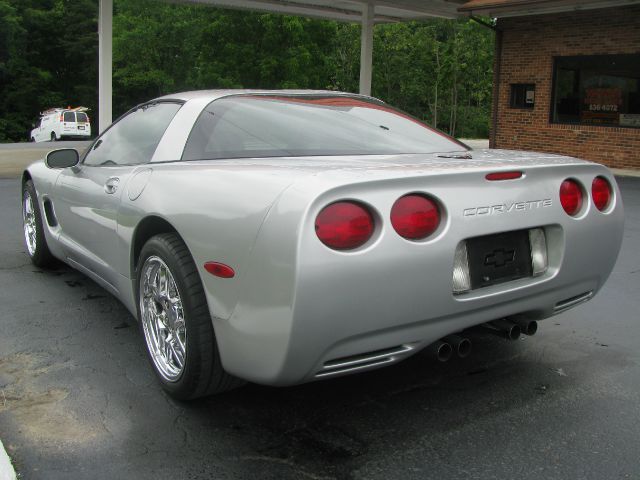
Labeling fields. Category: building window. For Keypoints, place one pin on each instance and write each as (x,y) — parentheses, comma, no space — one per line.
(597,90)
(523,95)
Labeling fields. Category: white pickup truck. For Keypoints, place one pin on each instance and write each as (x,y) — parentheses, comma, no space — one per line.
(61,123)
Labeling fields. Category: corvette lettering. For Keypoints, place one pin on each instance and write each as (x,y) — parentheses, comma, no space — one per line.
(507,208)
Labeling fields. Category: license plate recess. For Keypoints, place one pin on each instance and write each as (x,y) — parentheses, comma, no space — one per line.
(499,258)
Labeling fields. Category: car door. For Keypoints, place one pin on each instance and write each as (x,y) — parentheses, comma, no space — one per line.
(87,197)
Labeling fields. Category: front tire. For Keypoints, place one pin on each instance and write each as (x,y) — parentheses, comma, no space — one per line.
(175,321)
(35,241)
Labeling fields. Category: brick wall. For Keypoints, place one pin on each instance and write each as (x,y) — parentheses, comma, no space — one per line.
(528,47)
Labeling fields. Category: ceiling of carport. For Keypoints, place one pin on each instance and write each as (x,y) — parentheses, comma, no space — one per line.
(346,10)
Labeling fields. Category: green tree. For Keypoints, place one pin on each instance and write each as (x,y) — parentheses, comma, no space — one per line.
(438,70)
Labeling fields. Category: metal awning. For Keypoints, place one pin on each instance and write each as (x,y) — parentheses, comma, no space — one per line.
(366,12)
(345,10)
(518,8)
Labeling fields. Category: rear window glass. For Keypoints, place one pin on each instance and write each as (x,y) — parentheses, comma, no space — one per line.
(82,117)
(296,126)
(69,117)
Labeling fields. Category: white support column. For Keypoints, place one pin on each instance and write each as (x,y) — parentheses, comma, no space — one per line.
(366,49)
(105,64)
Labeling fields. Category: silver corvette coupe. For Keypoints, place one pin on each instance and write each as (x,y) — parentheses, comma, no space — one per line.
(291,236)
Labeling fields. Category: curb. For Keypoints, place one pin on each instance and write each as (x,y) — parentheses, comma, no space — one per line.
(622,172)
(6,469)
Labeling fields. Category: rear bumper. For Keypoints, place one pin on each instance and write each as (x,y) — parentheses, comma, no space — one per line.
(75,135)
(318,343)
(414,337)
(309,312)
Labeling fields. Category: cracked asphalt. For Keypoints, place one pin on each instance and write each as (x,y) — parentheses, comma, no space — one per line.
(78,399)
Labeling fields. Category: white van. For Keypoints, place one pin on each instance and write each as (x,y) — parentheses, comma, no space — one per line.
(62,123)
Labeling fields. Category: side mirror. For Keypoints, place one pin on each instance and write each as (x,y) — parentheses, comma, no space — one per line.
(63,158)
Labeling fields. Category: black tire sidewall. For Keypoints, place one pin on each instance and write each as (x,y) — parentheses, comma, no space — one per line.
(198,360)
(42,256)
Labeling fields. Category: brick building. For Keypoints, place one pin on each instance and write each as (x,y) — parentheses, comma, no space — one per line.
(567,77)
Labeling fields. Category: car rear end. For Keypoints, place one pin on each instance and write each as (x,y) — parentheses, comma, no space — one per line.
(74,125)
(353,292)
(391,235)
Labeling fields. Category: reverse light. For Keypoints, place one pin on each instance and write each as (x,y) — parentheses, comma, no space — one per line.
(461,272)
(601,193)
(539,257)
(571,197)
(344,225)
(415,217)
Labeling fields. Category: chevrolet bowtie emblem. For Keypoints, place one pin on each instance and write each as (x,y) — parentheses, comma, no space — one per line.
(500,258)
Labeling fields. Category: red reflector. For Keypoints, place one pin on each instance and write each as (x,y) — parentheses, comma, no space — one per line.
(219,270)
(503,176)
(601,191)
(415,217)
(571,197)
(344,225)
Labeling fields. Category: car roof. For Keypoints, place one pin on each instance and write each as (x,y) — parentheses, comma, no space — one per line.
(215,94)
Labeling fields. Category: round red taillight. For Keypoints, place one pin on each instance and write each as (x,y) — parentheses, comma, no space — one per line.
(415,217)
(344,225)
(601,192)
(571,197)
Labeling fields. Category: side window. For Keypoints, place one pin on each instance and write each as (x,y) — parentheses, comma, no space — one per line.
(38,122)
(134,138)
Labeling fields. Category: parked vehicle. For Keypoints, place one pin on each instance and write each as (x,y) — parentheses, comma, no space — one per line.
(62,124)
(287,237)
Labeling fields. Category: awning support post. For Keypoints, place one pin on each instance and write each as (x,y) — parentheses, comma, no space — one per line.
(105,64)
(366,49)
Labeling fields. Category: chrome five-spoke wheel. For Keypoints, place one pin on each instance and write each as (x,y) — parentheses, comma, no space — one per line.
(162,317)
(29,221)
(34,235)
(175,321)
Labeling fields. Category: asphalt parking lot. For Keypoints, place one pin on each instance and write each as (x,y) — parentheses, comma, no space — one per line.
(78,399)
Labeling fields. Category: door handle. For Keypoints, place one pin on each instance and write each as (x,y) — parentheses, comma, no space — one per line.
(111,186)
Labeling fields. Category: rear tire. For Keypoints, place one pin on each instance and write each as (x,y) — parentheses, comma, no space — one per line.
(35,241)
(175,322)
(53,136)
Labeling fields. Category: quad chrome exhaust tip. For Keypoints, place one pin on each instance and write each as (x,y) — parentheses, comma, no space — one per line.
(444,349)
(461,345)
(504,328)
(528,327)
(441,350)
